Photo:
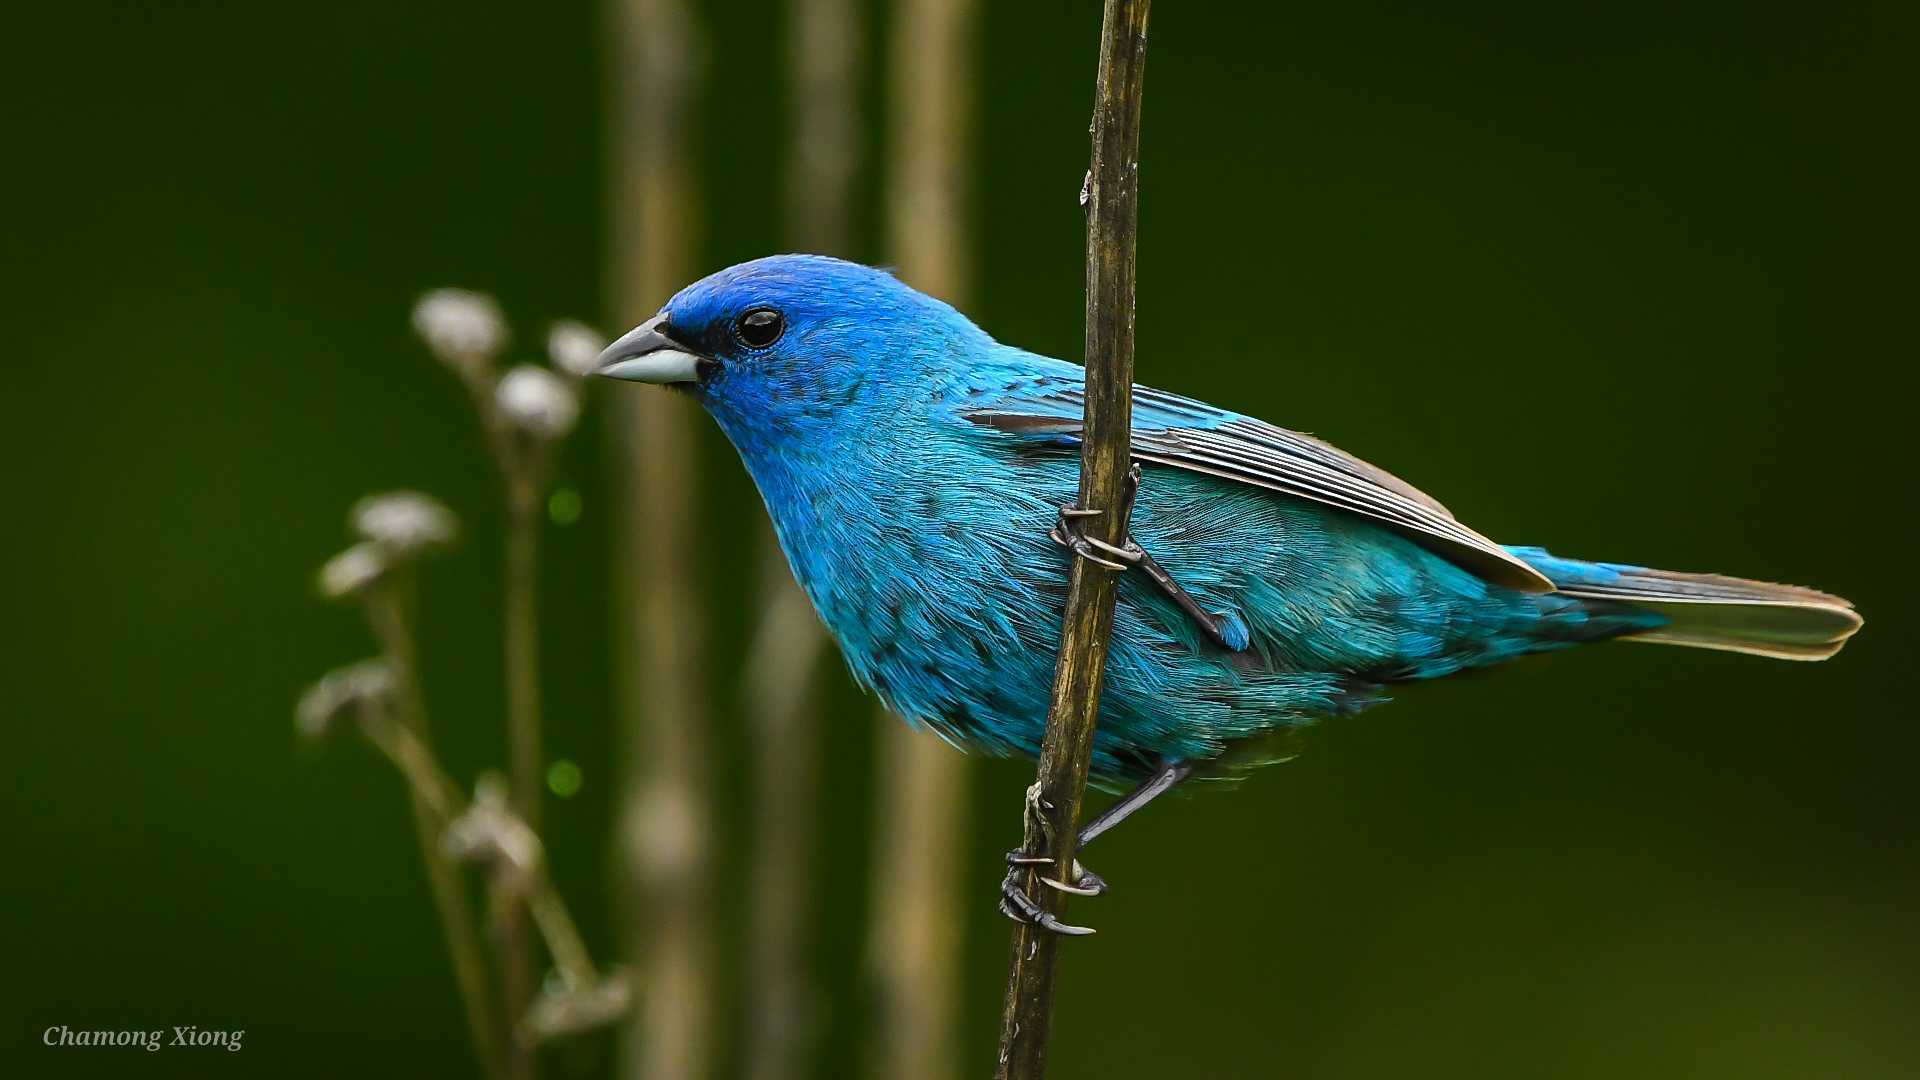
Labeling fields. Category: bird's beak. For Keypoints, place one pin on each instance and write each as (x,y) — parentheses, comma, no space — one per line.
(646,354)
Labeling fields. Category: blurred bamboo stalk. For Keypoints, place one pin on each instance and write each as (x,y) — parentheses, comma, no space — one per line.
(661,629)
(923,810)
(824,62)
(786,745)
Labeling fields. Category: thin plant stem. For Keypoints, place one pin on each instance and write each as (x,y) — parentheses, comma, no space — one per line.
(523,735)
(570,957)
(434,790)
(507,930)
(389,611)
(524,477)
(427,780)
(914,947)
(1112,207)
(663,855)
(522,463)
(522,576)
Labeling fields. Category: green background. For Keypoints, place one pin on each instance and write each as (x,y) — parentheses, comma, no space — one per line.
(1629,280)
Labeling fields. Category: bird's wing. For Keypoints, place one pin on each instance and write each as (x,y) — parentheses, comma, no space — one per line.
(1187,434)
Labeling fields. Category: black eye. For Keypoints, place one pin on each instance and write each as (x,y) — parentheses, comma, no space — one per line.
(759,328)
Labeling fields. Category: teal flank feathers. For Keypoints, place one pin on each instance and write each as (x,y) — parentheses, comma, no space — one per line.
(913,466)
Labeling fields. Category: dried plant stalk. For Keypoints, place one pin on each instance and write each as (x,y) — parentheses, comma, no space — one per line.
(661,633)
(388,612)
(924,805)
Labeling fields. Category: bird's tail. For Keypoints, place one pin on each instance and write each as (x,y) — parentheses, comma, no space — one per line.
(1708,611)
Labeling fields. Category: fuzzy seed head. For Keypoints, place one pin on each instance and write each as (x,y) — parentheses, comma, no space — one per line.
(404,523)
(489,832)
(352,572)
(342,695)
(535,401)
(464,329)
(573,347)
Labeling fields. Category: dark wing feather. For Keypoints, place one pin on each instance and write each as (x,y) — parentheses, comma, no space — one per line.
(1187,434)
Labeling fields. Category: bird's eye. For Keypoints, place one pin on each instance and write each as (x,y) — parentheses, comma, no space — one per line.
(759,328)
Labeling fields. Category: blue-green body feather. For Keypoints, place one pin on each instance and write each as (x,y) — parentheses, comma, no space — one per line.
(915,516)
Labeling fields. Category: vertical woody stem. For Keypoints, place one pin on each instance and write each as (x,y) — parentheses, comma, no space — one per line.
(1112,223)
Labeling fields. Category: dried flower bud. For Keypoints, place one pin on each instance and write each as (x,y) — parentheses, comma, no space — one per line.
(574,347)
(404,523)
(560,1011)
(464,329)
(489,832)
(353,571)
(343,694)
(535,401)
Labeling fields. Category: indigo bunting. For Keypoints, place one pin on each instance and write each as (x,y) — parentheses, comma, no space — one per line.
(915,470)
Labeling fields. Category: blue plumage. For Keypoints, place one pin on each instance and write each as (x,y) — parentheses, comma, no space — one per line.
(912,467)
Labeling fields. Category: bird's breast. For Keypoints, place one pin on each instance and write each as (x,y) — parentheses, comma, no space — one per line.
(928,561)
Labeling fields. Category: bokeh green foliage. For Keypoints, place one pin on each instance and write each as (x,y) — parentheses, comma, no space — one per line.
(1624,280)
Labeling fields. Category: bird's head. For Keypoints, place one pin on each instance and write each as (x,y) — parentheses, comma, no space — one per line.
(790,339)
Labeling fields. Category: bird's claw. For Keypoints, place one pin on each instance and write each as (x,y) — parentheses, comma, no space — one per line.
(1085,882)
(1067,533)
(1015,904)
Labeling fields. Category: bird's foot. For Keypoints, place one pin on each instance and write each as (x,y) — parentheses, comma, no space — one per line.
(1017,905)
(1070,532)
(1085,881)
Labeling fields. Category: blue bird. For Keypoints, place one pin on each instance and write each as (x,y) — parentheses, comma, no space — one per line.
(915,470)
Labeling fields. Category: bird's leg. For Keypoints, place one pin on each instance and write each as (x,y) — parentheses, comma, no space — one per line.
(1014,901)
(1166,774)
(1129,555)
